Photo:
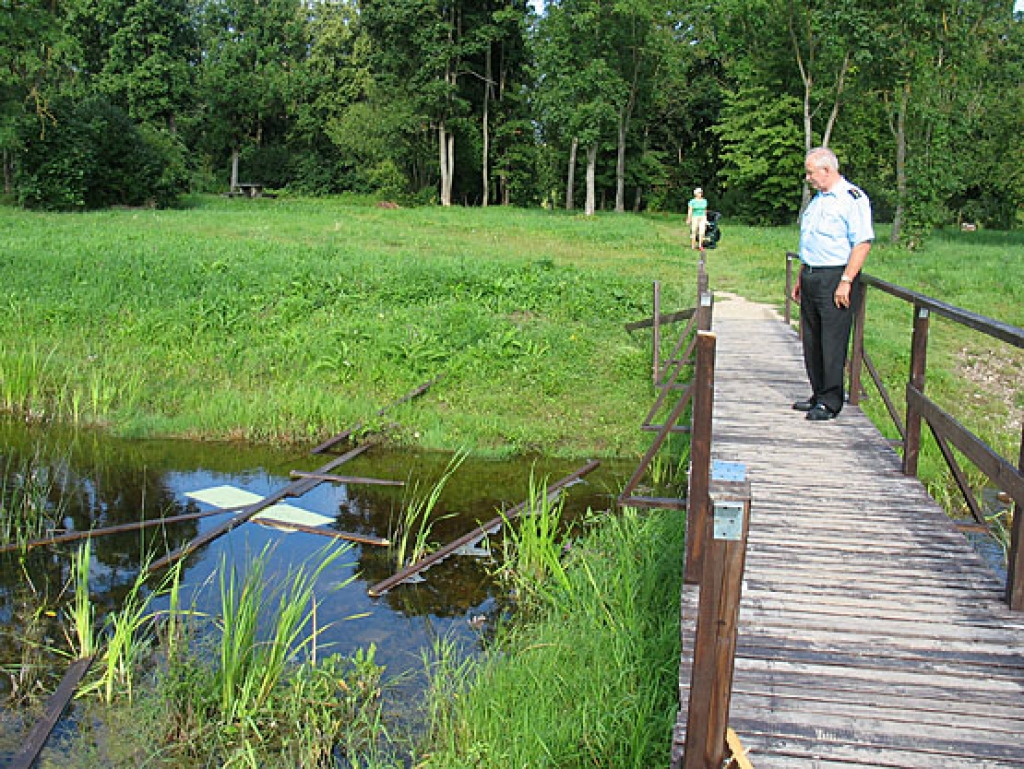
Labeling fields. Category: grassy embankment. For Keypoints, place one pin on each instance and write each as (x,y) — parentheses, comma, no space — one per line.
(291,320)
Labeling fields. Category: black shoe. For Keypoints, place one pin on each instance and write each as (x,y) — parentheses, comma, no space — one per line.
(806,405)
(821,413)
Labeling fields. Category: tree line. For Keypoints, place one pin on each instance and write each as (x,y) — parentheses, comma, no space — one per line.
(600,104)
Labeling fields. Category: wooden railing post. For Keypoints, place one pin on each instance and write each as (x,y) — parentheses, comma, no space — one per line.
(700,455)
(857,358)
(656,356)
(1015,557)
(718,609)
(705,303)
(918,366)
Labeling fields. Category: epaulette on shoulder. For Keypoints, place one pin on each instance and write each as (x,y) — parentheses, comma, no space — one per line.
(855,193)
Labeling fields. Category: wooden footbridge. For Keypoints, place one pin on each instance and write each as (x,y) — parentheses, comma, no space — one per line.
(869,633)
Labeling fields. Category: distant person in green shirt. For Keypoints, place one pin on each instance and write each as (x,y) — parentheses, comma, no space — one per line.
(697,218)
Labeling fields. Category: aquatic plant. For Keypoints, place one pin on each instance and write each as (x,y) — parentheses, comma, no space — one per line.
(26,491)
(84,640)
(533,543)
(333,706)
(411,536)
(250,667)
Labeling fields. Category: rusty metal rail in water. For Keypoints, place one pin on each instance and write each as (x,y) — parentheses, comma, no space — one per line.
(303,483)
(473,537)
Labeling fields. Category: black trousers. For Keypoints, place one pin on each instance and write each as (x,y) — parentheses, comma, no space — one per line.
(826,333)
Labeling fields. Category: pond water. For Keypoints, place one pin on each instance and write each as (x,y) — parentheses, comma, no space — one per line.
(96,481)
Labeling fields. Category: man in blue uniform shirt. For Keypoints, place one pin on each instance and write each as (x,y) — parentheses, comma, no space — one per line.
(835,238)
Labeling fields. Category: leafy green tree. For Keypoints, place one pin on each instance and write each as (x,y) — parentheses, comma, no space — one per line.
(762,153)
(578,89)
(249,49)
(93,155)
(151,60)
(681,149)
(34,65)
(931,67)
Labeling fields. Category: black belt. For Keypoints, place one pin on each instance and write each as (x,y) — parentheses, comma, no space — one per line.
(809,269)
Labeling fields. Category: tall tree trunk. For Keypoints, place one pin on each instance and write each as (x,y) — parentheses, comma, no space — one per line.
(900,134)
(638,197)
(625,114)
(620,167)
(806,69)
(591,179)
(8,172)
(445,152)
(570,183)
(833,116)
(234,168)
(807,78)
(485,171)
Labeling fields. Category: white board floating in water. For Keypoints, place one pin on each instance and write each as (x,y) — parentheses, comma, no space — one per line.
(232,496)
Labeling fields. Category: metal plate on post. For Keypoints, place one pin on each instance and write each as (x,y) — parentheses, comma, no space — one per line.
(728,521)
(728,471)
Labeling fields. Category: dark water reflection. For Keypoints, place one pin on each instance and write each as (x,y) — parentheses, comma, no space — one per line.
(97,481)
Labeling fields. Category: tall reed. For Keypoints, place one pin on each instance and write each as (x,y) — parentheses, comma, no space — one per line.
(26,509)
(252,667)
(534,543)
(411,536)
(130,634)
(84,641)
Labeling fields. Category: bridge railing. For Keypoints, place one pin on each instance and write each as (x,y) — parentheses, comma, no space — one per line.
(919,409)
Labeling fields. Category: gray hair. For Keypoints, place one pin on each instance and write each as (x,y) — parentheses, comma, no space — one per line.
(823,157)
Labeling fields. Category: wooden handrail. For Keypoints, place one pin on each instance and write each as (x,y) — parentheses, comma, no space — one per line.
(1004,332)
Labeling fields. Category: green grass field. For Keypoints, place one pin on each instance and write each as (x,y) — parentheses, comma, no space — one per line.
(289,320)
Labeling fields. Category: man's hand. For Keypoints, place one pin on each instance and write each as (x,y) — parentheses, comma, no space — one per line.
(842,295)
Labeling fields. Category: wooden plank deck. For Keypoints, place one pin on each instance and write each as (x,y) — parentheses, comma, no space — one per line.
(871,634)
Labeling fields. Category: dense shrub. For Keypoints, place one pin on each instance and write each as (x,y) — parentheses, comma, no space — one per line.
(89,154)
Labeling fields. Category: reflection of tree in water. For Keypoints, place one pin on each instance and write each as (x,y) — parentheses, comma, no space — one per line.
(450,589)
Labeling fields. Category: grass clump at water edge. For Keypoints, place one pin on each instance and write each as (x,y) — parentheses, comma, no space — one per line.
(587,675)
(248,688)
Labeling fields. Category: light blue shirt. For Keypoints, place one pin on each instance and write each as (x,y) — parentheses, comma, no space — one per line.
(833,223)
